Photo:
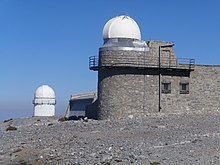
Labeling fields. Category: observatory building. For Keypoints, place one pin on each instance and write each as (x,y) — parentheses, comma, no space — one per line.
(137,78)
(44,101)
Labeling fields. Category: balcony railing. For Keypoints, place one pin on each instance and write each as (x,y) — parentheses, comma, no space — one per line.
(93,63)
(146,62)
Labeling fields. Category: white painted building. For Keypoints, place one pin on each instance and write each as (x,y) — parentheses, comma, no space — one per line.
(44,101)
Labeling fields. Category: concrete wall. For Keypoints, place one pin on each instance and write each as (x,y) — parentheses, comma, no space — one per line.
(78,104)
(78,107)
(44,110)
(92,110)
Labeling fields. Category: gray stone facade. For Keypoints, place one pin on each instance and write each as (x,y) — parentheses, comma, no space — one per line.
(204,91)
(128,83)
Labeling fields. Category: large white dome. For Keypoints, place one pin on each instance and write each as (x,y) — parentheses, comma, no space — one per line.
(121,27)
(44,91)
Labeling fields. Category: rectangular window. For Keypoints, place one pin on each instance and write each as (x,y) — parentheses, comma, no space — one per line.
(184,88)
(166,87)
(166,53)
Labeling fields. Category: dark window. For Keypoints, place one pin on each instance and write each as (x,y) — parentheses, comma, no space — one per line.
(166,87)
(184,88)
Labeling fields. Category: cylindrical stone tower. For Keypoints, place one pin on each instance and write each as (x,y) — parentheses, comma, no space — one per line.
(120,87)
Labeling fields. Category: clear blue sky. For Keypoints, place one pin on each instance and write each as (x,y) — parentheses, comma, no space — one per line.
(49,42)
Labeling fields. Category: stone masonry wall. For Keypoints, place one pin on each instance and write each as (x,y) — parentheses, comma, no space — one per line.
(205,88)
(139,58)
(134,92)
(204,92)
(120,95)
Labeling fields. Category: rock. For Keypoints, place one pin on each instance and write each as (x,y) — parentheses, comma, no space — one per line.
(85,119)
(11,128)
(164,139)
(106,160)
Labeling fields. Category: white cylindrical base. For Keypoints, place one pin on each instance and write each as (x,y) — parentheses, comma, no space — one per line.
(44,110)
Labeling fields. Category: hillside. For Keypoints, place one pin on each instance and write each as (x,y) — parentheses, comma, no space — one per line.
(156,139)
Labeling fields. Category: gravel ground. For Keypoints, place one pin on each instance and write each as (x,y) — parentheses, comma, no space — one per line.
(157,139)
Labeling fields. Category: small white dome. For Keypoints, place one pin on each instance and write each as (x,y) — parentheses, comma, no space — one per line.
(44,91)
(121,27)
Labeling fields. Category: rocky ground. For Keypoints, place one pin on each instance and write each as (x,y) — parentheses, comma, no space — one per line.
(157,139)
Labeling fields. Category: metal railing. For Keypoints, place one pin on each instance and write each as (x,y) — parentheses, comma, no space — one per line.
(142,62)
(93,63)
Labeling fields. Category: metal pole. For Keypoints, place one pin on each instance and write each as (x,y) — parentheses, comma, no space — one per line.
(159,67)
(159,80)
